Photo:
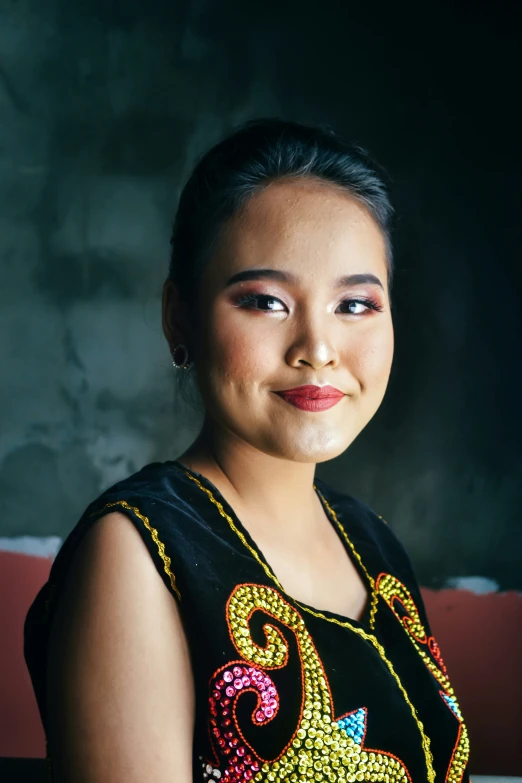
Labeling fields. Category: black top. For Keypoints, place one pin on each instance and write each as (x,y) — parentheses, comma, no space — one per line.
(284,691)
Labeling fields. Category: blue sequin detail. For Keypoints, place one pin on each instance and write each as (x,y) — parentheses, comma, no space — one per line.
(451,702)
(354,725)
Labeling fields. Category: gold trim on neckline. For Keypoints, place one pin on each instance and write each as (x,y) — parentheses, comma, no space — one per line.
(425,740)
(268,571)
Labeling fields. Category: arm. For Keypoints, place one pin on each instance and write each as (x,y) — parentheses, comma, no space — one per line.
(119,681)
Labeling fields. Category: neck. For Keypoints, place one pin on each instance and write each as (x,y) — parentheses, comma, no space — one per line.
(257,485)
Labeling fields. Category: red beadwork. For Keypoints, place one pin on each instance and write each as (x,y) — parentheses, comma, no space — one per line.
(240,766)
(435,651)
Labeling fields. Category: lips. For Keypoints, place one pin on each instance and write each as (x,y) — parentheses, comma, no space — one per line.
(313,392)
(312,398)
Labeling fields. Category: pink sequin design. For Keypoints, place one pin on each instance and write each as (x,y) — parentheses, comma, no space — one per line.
(226,686)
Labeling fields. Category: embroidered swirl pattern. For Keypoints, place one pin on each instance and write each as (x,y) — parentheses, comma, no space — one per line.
(322,748)
(395,594)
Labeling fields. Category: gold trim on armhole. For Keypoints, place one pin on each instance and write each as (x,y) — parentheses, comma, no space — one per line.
(166,566)
(154,533)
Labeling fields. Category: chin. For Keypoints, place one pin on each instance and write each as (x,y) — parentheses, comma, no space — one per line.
(312,449)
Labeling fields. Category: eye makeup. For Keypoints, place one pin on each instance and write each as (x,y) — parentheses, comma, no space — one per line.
(248,300)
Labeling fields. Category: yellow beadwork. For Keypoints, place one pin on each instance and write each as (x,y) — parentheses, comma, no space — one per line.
(267,570)
(426,742)
(319,748)
(344,624)
(154,533)
(390,588)
(371,580)
(238,532)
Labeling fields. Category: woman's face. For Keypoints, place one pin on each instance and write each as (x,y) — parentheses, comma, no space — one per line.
(283,305)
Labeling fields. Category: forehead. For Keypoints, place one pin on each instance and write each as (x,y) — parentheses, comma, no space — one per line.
(303,223)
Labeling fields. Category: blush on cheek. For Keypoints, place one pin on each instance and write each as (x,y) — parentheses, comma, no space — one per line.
(242,355)
(232,363)
(371,360)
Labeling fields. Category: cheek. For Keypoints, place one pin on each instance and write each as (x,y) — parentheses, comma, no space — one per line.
(371,357)
(239,351)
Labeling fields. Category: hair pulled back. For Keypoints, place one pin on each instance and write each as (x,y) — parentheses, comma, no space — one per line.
(256,153)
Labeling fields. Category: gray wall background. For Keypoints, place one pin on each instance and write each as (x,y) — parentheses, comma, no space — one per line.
(103,107)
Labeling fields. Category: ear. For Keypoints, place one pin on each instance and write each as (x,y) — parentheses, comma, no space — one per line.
(175,321)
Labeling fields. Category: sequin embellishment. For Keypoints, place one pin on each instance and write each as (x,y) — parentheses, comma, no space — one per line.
(322,748)
(396,594)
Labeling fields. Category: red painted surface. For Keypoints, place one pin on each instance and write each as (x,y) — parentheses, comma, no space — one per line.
(21,732)
(480,637)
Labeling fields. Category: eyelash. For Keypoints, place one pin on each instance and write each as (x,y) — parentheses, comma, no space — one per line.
(247,299)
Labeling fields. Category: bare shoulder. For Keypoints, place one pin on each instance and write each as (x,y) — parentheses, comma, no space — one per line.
(119,680)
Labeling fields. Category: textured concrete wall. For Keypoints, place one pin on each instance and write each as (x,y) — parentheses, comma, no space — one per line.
(103,106)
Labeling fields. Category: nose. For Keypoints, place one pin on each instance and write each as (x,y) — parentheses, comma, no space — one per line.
(313,346)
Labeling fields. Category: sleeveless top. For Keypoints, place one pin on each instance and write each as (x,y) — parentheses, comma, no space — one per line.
(284,691)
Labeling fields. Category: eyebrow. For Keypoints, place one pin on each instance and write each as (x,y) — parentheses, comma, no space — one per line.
(288,277)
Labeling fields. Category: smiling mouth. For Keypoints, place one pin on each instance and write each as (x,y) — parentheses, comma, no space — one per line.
(312,391)
(312,400)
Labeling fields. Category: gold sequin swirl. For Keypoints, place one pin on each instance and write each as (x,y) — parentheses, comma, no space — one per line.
(319,749)
(371,638)
(392,590)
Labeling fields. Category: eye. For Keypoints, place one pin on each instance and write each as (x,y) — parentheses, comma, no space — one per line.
(261,302)
(268,303)
(363,304)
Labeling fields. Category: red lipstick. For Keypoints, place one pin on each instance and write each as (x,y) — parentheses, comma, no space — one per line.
(312,398)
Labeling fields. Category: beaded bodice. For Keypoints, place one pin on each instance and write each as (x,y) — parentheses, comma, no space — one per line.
(284,691)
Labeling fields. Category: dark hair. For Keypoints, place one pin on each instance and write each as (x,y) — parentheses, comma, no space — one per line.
(256,153)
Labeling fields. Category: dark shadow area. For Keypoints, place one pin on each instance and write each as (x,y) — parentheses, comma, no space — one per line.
(22,770)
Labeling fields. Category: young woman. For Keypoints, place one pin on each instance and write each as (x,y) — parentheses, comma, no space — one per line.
(229,616)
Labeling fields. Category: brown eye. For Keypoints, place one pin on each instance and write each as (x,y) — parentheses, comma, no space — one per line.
(363,305)
(261,302)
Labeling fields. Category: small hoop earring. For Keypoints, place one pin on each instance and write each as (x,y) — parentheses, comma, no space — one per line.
(180,363)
